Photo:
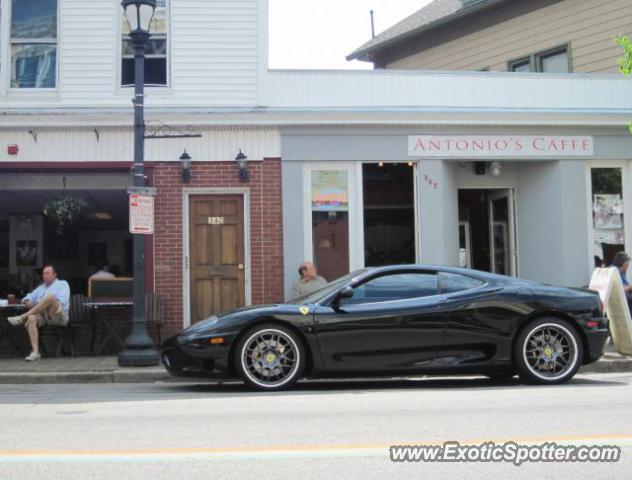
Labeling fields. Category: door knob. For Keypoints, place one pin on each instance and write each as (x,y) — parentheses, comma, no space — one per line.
(241,266)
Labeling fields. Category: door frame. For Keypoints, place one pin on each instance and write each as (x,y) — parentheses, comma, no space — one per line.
(356,219)
(511,227)
(187,193)
(514,194)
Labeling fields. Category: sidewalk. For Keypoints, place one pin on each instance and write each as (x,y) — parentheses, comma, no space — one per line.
(77,370)
(106,370)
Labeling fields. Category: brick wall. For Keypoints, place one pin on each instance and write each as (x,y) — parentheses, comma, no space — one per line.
(266,229)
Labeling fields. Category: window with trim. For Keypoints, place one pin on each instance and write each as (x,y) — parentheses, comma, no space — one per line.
(155,52)
(549,61)
(33,43)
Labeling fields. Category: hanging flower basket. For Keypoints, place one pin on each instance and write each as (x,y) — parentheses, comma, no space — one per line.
(63,210)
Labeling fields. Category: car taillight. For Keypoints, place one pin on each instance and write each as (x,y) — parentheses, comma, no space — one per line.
(592,324)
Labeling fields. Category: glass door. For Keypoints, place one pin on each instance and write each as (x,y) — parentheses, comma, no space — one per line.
(332,222)
(502,237)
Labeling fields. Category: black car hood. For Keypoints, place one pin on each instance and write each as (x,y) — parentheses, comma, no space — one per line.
(232,318)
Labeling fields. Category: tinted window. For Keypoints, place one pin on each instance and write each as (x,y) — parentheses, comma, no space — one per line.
(452,282)
(398,286)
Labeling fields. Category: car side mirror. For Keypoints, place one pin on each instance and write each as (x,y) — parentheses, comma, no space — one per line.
(346,292)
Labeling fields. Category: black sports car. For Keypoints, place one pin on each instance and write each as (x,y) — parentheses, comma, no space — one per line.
(400,320)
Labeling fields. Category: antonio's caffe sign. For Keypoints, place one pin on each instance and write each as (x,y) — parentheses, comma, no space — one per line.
(489,146)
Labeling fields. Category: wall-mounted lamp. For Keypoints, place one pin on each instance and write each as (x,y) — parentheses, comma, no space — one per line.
(242,164)
(185,159)
(495,169)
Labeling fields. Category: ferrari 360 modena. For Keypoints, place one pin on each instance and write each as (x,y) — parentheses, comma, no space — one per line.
(400,321)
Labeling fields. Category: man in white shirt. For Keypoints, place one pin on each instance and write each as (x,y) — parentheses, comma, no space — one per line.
(48,305)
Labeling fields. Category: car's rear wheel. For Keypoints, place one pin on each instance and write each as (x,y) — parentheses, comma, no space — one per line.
(270,357)
(548,351)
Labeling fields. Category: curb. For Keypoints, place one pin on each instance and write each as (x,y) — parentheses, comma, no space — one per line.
(116,376)
(152,375)
(608,366)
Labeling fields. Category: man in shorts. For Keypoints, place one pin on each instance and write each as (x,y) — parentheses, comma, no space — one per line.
(48,305)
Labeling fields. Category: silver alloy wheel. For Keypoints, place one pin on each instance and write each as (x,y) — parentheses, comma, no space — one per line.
(270,358)
(550,351)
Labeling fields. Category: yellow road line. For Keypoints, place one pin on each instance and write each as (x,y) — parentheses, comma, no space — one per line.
(311,448)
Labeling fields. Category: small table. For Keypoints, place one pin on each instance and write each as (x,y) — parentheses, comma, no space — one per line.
(100,307)
(6,329)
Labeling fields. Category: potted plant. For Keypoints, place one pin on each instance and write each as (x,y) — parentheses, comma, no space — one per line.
(62,210)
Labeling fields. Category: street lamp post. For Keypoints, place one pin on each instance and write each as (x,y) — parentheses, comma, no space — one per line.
(139,347)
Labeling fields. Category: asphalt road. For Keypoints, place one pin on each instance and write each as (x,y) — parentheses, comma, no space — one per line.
(319,430)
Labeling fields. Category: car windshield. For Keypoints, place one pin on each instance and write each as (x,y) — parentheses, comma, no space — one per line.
(327,290)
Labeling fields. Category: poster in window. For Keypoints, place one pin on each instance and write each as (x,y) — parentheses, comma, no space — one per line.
(26,253)
(330,192)
(607,212)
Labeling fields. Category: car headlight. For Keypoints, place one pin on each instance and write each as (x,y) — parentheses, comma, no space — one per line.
(202,325)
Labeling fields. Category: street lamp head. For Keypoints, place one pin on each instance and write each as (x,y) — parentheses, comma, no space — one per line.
(139,14)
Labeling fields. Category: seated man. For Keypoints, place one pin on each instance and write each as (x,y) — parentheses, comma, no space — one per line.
(309,282)
(48,304)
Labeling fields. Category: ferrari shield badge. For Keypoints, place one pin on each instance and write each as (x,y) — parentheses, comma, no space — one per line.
(304,310)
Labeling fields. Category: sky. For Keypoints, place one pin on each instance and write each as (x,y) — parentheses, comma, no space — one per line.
(320,34)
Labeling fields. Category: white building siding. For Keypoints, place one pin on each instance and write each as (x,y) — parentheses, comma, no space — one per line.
(88,50)
(116,144)
(214,50)
(214,54)
(446,90)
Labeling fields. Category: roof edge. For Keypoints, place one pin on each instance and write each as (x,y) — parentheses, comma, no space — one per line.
(363,54)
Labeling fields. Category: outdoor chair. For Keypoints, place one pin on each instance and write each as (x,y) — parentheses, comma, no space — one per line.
(155,311)
(77,315)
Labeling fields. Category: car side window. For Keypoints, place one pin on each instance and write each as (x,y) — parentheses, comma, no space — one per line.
(453,282)
(397,286)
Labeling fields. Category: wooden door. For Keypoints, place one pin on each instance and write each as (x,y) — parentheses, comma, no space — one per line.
(216,250)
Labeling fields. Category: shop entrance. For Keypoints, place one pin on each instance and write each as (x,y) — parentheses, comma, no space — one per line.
(389,213)
(487,236)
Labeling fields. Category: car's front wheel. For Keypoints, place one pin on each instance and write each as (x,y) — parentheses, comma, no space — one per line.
(548,351)
(270,357)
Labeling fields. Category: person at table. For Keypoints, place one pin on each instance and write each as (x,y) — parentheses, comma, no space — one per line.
(103,272)
(48,305)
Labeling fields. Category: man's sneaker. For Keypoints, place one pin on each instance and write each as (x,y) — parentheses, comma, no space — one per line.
(16,321)
(33,357)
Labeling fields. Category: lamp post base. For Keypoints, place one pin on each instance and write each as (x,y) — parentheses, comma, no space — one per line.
(145,357)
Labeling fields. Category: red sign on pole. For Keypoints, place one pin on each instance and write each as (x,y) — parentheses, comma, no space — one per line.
(141,214)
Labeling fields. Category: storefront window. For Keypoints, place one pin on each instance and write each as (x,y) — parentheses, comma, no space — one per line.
(330,222)
(608,235)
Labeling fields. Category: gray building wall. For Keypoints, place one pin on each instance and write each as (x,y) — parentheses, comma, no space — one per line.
(551,223)
(438,210)
(293,231)
(551,197)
